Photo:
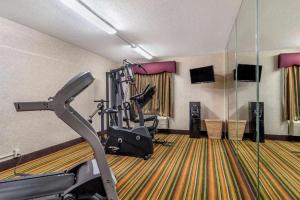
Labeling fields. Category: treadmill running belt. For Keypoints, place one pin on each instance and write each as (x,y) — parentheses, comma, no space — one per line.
(35,186)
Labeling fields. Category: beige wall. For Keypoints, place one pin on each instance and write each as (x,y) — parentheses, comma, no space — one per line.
(211,95)
(34,66)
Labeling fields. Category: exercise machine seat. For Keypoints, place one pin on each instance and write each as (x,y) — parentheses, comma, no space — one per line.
(144,97)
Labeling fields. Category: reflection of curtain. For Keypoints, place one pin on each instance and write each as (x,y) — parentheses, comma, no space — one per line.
(162,102)
(291,93)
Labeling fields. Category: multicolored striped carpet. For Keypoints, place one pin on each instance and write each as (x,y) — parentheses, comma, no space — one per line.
(279,168)
(191,169)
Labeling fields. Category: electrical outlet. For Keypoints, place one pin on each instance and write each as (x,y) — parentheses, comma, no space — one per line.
(16,153)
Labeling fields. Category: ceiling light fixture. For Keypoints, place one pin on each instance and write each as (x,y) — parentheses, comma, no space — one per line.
(142,52)
(90,15)
(84,11)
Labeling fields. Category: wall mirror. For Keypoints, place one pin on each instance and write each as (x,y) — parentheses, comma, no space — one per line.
(263,96)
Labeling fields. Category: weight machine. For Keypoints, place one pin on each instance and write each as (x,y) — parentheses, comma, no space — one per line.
(135,141)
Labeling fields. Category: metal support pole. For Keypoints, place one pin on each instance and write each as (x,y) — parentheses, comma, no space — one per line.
(119,100)
(107,97)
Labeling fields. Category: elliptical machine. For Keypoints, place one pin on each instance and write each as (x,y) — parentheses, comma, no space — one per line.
(139,101)
(136,141)
(89,180)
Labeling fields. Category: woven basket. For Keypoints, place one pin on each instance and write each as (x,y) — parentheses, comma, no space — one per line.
(214,128)
(236,129)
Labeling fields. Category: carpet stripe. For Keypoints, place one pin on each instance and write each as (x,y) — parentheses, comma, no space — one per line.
(279,168)
(191,169)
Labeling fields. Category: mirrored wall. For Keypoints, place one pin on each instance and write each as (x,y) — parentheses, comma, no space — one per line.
(279,56)
(263,96)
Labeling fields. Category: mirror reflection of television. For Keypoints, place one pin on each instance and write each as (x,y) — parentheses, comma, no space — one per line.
(202,75)
(247,73)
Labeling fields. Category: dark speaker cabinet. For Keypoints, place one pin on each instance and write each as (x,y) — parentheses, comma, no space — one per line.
(195,120)
(252,121)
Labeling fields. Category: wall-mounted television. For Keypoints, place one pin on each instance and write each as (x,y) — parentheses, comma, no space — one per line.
(202,74)
(246,73)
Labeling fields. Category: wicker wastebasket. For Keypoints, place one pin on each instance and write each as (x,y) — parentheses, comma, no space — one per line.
(236,129)
(214,128)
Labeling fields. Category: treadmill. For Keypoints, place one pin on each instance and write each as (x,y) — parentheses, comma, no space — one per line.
(89,180)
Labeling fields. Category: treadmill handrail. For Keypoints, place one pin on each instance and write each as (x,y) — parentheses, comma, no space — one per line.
(60,104)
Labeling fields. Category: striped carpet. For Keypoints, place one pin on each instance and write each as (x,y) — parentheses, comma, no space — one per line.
(191,169)
(279,168)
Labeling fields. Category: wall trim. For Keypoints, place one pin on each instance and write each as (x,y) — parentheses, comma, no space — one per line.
(283,137)
(173,131)
(40,153)
(178,132)
(37,154)
(275,137)
(246,135)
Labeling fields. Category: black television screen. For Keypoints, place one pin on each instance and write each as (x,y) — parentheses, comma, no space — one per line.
(247,73)
(202,74)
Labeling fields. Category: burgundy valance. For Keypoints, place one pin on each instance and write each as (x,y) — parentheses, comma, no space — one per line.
(288,59)
(156,67)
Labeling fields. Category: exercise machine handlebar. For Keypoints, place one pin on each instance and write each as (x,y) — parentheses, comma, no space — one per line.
(33,106)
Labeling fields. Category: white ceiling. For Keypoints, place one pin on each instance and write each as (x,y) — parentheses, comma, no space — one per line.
(165,28)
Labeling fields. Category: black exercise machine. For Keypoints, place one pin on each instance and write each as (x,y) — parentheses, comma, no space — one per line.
(140,100)
(135,141)
(89,180)
(131,116)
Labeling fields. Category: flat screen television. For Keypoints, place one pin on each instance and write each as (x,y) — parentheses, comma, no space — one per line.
(202,74)
(246,73)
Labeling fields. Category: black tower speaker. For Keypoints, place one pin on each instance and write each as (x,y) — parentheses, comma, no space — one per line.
(252,121)
(195,120)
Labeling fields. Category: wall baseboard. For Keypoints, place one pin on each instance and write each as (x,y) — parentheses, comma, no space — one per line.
(283,137)
(37,154)
(246,135)
(173,131)
(275,137)
(40,153)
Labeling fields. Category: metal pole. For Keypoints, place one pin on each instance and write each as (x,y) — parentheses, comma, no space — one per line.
(119,99)
(107,97)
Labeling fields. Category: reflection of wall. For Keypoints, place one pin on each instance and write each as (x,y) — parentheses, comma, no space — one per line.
(278,29)
(33,67)
(270,91)
(278,25)
(211,95)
